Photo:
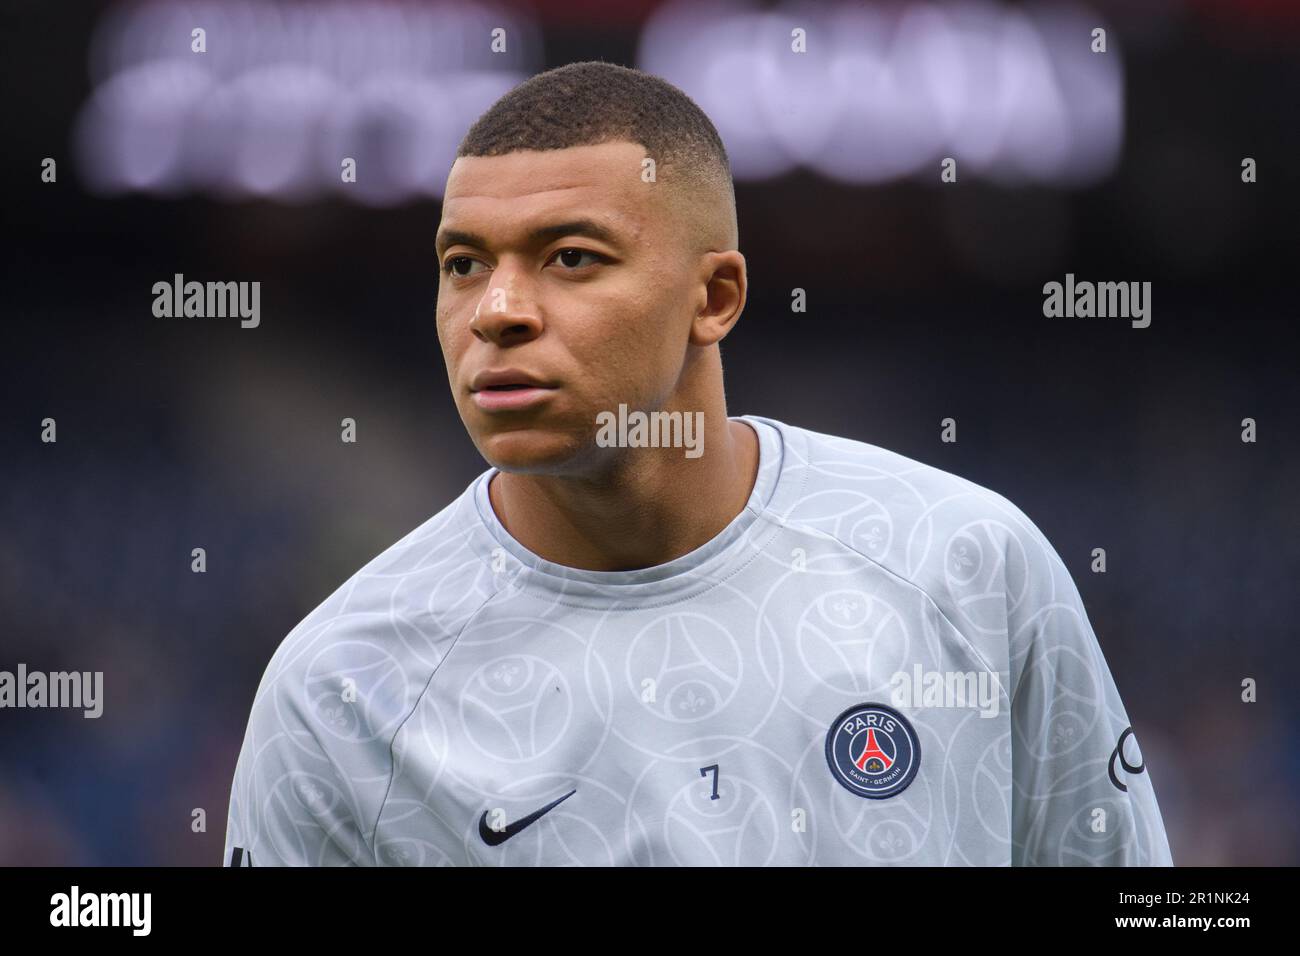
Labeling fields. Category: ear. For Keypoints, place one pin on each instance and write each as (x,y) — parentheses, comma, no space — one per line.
(725,285)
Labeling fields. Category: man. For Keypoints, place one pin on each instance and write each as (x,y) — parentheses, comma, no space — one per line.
(650,633)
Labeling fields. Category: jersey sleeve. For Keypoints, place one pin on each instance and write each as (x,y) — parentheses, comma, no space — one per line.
(290,805)
(1082,794)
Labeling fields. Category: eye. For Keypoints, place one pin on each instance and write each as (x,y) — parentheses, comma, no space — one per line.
(568,256)
(450,266)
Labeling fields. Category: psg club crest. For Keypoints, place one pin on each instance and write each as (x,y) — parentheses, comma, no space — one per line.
(873,751)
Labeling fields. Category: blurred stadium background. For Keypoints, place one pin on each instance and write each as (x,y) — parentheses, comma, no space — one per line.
(925,301)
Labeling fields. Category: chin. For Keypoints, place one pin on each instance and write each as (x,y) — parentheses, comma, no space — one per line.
(532,450)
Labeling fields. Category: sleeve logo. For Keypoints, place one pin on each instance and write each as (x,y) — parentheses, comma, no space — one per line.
(1118,755)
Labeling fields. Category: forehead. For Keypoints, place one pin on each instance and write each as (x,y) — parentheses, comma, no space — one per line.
(529,187)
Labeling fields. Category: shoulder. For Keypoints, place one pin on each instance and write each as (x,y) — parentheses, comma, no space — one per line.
(351,670)
(316,759)
(971,550)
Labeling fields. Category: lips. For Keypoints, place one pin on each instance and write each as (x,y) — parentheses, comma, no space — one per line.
(508,390)
(506,379)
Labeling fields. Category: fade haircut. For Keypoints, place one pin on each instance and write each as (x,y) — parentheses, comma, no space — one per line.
(594,102)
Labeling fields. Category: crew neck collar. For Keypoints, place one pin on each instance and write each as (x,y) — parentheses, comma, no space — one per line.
(691,573)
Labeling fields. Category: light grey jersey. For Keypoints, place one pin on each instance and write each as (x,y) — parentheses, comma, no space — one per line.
(876,662)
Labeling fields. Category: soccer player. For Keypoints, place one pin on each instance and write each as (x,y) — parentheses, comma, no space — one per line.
(653,634)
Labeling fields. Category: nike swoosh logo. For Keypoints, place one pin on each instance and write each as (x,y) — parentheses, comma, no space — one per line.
(496,837)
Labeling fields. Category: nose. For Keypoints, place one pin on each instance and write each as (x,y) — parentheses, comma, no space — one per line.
(505,315)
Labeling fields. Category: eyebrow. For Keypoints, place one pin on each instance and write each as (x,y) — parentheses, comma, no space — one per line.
(574,227)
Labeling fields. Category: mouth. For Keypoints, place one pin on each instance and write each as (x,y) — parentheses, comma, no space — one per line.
(508,390)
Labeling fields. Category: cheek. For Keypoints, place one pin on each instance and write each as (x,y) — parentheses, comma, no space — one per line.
(451,336)
(630,347)
(644,313)
(611,337)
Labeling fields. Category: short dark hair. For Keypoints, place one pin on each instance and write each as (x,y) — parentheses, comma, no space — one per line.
(594,102)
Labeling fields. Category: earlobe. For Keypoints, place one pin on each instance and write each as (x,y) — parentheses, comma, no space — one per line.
(710,328)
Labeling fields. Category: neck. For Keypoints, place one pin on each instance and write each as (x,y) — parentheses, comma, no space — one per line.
(645,507)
